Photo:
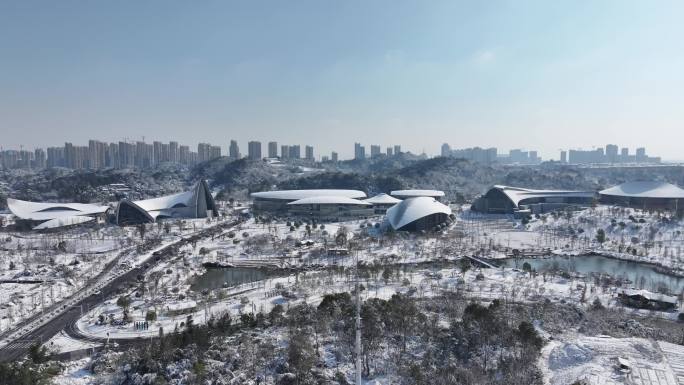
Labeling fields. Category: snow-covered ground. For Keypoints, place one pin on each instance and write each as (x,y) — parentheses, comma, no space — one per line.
(594,360)
(421,265)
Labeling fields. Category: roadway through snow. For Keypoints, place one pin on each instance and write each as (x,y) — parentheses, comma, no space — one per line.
(43,327)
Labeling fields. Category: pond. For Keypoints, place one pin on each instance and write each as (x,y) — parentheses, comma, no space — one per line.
(642,275)
(215,278)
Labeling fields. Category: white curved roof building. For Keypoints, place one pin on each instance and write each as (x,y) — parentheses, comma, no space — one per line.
(506,199)
(382,199)
(404,194)
(63,222)
(419,213)
(293,195)
(645,194)
(50,215)
(644,189)
(278,201)
(196,203)
(329,200)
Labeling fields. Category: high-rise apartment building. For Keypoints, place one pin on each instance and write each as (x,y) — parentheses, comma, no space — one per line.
(254,150)
(375,150)
(309,153)
(285,151)
(295,152)
(234,150)
(612,153)
(333,156)
(272,149)
(359,151)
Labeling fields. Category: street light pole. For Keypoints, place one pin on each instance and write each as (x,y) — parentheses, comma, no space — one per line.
(358,320)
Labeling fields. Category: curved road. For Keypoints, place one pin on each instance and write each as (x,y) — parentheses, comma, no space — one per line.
(19,346)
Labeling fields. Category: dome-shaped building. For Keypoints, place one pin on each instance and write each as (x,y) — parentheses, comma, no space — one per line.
(416,214)
(644,195)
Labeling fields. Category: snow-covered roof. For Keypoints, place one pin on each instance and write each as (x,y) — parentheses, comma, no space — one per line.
(644,189)
(517,194)
(181,305)
(650,296)
(382,199)
(412,209)
(188,204)
(63,221)
(183,199)
(39,211)
(329,200)
(293,195)
(417,193)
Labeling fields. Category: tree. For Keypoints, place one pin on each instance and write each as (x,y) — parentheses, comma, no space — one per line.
(386,275)
(527,267)
(600,236)
(300,355)
(464,265)
(151,315)
(124,303)
(141,231)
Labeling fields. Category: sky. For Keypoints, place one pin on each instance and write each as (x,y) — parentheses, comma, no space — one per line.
(536,75)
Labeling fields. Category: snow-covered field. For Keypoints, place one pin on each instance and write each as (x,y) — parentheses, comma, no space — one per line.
(423,266)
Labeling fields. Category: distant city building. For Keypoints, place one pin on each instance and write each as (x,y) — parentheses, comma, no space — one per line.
(295,152)
(564,157)
(446,150)
(284,151)
(234,150)
(389,151)
(397,149)
(359,151)
(254,150)
(375,151)
(334,156)
(272,149)
(610,155)
(309,153)
(475,154)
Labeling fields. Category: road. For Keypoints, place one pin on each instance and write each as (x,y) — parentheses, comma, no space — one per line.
(59,318)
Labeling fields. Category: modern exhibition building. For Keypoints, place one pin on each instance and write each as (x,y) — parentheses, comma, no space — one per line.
(645,195)
(418,214)
(405,194)
(277,202)
(382,202)
(330,207)
(522,201)
(196,203)
(43,216)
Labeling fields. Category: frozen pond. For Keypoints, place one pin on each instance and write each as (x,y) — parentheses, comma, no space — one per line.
(642,276)
(216,278)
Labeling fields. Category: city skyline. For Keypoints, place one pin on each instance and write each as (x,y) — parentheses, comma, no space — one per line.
(507,75)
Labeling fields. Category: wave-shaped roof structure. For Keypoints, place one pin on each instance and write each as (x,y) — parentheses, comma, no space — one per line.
(382,199)
(329,200)
(64,222)
(53,212)
(195,203)
(645,189)
(404,194)
(294,195)
(506,199)
(419,213)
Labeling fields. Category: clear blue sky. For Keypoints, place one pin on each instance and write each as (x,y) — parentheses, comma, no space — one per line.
(537,75)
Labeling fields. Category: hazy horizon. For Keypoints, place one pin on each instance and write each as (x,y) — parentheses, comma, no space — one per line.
(533,75)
